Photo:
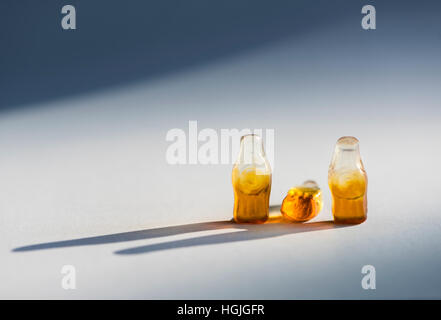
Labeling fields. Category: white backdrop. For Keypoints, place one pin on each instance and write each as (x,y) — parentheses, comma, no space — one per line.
(94,166)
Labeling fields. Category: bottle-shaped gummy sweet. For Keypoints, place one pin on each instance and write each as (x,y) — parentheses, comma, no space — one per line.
(251,181)
(302,203)
(348,182)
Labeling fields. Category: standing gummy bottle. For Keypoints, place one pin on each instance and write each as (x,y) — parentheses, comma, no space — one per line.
(348,183)
(251,182)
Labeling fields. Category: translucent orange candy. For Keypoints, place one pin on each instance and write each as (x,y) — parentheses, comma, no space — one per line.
(303,202)
(348,182)
(251,180)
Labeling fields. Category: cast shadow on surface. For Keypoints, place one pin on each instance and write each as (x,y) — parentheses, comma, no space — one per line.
(274,227)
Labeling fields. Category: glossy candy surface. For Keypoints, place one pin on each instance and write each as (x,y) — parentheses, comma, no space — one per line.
(348,183)
(251,180)
(302,203)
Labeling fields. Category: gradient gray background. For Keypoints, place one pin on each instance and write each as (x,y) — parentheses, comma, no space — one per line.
(83,120)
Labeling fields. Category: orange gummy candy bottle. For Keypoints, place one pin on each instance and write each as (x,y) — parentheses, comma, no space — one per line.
(348,183)
(251,182)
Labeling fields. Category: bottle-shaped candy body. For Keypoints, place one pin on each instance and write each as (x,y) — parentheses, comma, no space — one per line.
(251,182)
(348,182)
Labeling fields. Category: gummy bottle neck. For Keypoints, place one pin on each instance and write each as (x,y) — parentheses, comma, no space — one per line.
(251,150)
(346,155)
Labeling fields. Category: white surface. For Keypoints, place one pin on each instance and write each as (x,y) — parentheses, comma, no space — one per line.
(95,165)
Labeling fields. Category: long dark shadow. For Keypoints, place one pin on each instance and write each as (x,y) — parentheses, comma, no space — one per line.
(130,236)
(137,235)
(275,226)
(249,232)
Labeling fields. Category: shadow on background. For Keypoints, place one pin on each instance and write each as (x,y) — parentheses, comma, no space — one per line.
(117,43)
(274,227)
